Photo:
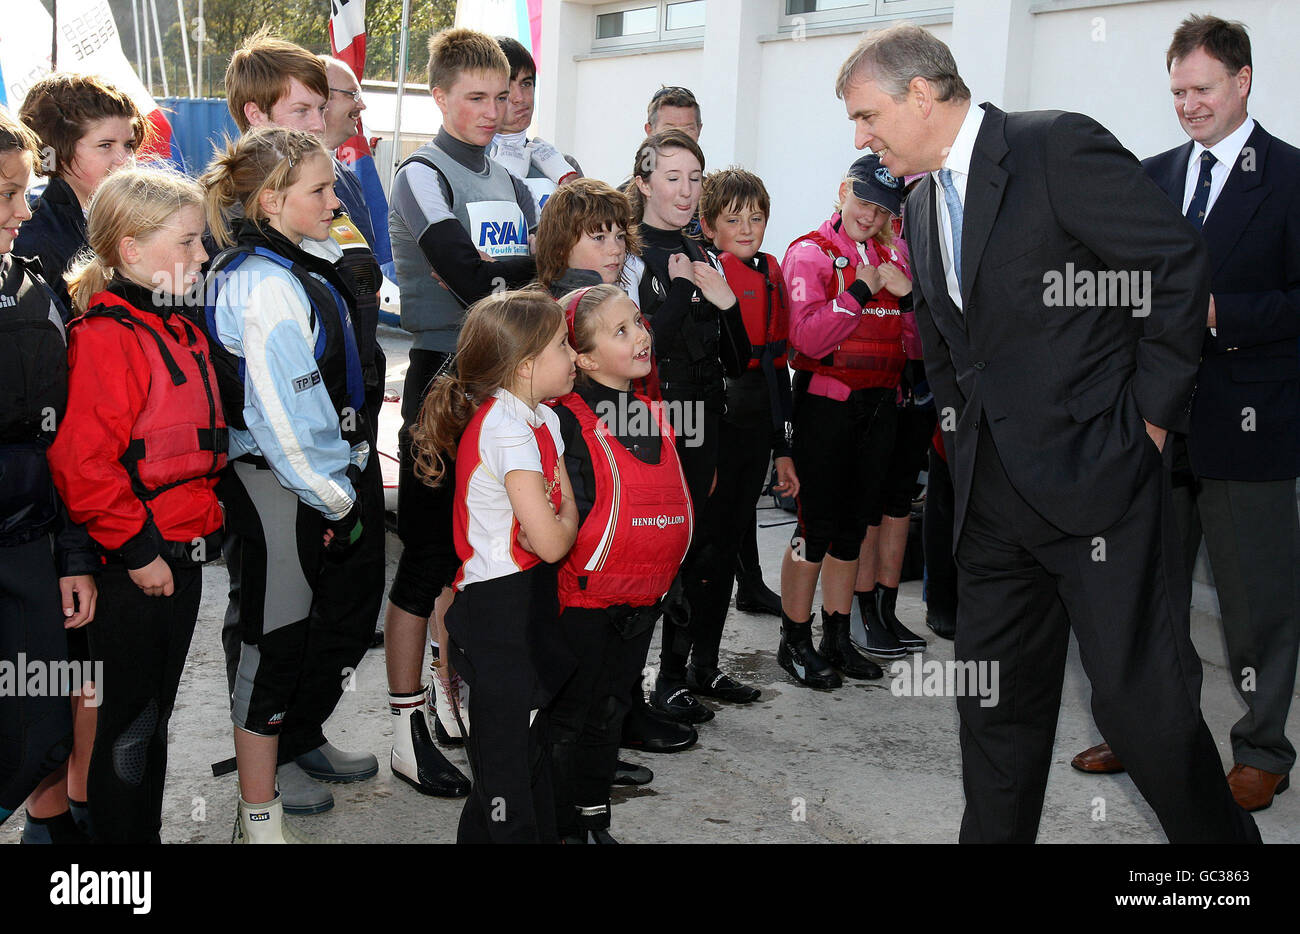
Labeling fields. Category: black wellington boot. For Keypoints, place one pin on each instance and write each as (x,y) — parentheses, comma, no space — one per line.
(868,632)
(838,649)
(886,598)
(798,657)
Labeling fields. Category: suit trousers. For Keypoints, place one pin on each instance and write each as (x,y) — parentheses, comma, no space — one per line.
(1023,584)
(1252,534)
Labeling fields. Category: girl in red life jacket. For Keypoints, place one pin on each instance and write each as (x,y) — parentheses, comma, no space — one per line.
(136,461)
(637,520)
(513,518)
(848,288)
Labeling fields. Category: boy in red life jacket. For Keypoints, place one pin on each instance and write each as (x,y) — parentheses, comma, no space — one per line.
(636,519)
(136,461)
(845,280)
(733,214)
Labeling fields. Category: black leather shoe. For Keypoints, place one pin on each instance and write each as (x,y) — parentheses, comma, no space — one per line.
(941,624)
(838,650)
(868,632)
(754,596)
(628,773)
(798,657)
(722,686)
(647,730)
(886,599)
(674,699)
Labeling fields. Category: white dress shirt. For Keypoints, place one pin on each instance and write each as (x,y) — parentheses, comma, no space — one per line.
(958,163)
(1227,151)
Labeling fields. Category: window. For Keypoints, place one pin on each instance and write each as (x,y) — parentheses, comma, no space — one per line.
(627,23)
(832,12)
(621,25)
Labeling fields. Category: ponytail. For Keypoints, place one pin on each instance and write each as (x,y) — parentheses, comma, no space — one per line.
(446,410)
(89,275)
(268,158)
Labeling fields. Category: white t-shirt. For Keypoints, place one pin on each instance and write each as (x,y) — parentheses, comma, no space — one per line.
(501,441)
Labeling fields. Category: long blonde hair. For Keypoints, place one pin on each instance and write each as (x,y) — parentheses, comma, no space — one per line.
(500,332)
(886,236)
(268,158)
(129,203)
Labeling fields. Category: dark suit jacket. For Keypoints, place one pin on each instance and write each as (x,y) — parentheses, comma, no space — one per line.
(1064,389)
(1253,236)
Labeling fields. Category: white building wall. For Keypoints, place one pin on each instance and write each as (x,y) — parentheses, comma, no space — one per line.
(609,98)
(1103,59)
(1122,82)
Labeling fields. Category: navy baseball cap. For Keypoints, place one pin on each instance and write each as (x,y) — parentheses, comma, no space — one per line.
(874,183)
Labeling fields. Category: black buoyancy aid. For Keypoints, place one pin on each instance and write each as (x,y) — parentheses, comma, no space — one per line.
(335,352)
(180,435)
(359,268)
(712,346)
(33,398)
(632,543)
(33,355)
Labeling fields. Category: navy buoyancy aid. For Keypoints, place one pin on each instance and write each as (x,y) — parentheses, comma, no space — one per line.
(336,352)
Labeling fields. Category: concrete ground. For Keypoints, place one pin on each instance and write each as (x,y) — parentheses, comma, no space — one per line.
(856,765)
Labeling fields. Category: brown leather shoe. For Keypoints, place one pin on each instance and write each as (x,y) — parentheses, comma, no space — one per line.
(1254,788)
(1098,760)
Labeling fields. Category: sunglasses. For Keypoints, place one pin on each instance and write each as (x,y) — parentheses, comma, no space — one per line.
(675,91)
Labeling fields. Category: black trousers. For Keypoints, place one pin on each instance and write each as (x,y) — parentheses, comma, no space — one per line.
(587,715)
(1023,584)
(744,451)
(698,440)
(937,527)
(506,644)
(424,514)
(141,642)
(349,591)
(348,594)
(1252,535)
(35,732)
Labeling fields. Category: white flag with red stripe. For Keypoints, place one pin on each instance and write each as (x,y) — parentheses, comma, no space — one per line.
(348,32)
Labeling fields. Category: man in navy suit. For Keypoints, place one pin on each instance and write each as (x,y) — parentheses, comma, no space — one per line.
(1234,471)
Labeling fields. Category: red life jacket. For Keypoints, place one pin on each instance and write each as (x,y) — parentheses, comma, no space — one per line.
(763,306)
(466,464)
(631,545)
(872,356)
(180,435)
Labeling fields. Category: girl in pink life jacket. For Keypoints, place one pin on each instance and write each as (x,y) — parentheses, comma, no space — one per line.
(637,521)
(848,284)
(137,462)
(513,518)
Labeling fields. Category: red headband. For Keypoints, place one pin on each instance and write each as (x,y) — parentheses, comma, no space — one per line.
(571,310)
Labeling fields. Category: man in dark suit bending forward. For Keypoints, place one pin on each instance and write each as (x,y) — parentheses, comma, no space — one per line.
(1061,299)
